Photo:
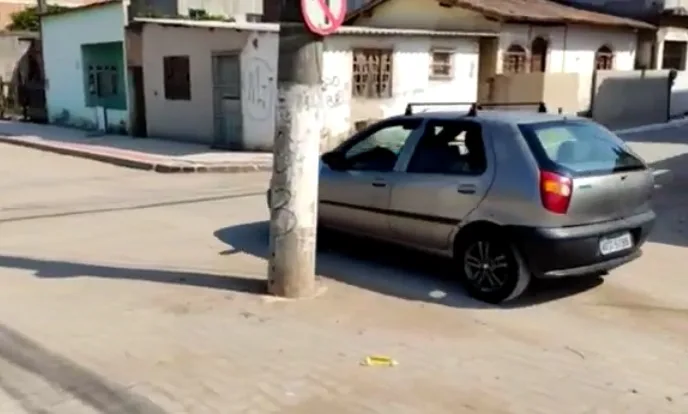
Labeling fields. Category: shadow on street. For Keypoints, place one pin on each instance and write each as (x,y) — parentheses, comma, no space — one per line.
(670,198)
(393,271)
(89,388)
(62,269)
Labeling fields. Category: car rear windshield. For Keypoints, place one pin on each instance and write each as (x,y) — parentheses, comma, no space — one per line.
(579,148)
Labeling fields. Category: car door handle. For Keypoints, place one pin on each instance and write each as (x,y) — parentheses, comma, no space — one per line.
(466,189)
(379,184)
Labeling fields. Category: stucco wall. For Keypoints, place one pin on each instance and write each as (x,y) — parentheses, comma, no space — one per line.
(194,119)
(625,99)
(63,35)
(410,77)
(572,50)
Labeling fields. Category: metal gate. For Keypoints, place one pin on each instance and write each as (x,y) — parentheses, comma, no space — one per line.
(227,101)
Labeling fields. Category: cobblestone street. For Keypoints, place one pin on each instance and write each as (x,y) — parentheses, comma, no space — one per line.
(132,292)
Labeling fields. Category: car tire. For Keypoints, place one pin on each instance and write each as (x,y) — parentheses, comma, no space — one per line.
(507,276)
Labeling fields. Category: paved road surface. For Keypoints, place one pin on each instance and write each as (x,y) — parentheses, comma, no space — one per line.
(131,292)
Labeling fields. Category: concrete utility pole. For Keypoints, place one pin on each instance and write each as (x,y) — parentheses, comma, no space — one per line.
(294,184)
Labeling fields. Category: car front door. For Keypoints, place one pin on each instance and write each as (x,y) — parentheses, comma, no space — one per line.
(355,194)
(446,177)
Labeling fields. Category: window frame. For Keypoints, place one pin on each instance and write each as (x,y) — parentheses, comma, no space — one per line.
(521,55)
(451,64)
(374,81)
(368,132)
(465,126)
(673,60)
(174,88)
(606,54)
(539,41)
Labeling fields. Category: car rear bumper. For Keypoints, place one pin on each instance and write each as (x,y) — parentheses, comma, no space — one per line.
(574,251)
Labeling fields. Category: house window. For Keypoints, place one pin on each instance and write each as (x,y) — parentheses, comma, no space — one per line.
(515,59)
(441,64)
(538,55)
(103,83)
(604,58)
(103,75)
(197,14)
(177,80)
(674,55)
(372,73)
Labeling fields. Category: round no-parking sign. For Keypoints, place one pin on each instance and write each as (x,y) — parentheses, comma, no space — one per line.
(323,17)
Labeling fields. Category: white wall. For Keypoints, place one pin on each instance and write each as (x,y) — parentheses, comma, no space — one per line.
(572,50)
(259,89)
(410,77)
(63,35)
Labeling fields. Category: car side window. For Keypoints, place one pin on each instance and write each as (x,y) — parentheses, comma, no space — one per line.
(449,147)
(380,149)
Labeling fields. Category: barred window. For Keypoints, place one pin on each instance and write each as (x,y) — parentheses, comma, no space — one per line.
(177,78)
(515,59)
(441,64)
(604,58)
(372,73)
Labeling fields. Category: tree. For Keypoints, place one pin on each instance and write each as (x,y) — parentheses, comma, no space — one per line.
(28,20)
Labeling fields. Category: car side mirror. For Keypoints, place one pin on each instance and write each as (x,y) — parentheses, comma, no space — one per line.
(335,160)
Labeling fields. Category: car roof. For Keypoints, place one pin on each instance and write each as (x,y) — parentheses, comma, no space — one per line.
(501,116)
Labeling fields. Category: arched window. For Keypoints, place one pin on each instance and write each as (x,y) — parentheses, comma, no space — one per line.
(604,58)
(538,55)
(515,59)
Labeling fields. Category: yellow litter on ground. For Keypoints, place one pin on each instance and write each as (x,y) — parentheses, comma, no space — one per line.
(379,361)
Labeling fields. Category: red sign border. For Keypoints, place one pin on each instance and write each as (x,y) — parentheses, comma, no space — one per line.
(336,22)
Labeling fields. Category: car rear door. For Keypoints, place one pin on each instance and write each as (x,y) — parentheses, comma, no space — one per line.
(355,196)
(445,179)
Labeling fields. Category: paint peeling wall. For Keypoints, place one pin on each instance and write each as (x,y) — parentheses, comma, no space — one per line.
(63,35)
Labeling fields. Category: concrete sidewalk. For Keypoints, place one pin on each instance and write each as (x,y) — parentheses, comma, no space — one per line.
(139,153)
(162,155)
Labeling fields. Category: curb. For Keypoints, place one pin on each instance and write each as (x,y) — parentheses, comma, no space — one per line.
(159,167)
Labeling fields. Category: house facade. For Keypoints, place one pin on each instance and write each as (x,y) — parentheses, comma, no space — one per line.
(216,82)
(85,71)
(536,36)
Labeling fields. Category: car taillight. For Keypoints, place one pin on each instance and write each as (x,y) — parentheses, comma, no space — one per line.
(555,192)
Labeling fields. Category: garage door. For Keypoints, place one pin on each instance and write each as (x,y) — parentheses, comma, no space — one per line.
(227,101)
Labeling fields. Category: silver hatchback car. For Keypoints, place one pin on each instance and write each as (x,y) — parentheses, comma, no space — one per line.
(509,195)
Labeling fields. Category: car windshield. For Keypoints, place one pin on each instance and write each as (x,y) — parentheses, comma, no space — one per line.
(579,148)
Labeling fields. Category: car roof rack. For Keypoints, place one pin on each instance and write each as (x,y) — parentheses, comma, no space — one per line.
(541,107)
(409,107)
(475,106)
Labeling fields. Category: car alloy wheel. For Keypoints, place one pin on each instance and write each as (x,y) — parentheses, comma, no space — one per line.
(486,266)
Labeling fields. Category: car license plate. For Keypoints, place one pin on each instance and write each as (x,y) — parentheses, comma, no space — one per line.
(616,244)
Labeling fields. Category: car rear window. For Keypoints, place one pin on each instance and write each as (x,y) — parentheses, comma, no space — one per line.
(579,148)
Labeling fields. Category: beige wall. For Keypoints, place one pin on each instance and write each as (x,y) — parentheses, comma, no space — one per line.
(193,119)
(624,99)
(556,90)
